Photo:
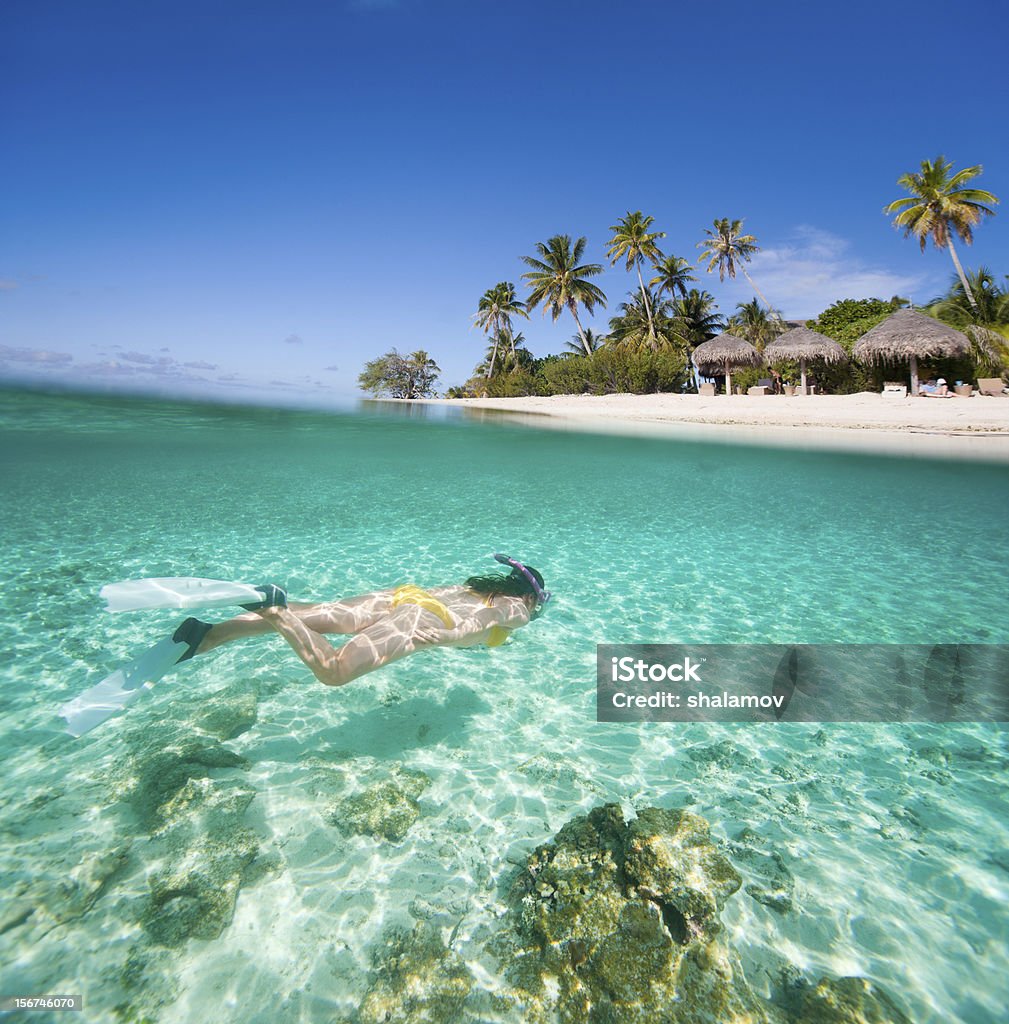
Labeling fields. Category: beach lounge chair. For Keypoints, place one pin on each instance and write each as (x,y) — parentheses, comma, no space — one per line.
(707,389)
(991,386)
(894,389)
(759,389)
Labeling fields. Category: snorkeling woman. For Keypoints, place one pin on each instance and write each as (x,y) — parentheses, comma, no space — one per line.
(385,625)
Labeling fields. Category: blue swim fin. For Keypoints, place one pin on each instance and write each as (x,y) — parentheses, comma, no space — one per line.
(119,690)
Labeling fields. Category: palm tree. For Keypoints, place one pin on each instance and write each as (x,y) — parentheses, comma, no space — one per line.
(496,308)
(558,282)
(939,207)
(986,323)
(514,355)
(632,242)
(699,319)
(633,328)
(593,342)
(422,373)
(726,249)
(753,323)
(673,275)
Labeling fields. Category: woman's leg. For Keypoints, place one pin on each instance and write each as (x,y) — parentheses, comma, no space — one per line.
(348,616)
(394,636)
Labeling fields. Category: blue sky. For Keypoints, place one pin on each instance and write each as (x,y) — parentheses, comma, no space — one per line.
(249,200)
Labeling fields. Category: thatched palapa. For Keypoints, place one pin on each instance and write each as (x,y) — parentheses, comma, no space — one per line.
(807,346)
(913,336)
(802,343)
(906,334)
(725,350)
(724,354)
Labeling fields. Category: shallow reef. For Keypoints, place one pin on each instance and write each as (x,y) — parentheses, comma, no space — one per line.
(162,778)
(613,922)
(384,809)
(417,981)
(618,921)
(230,712)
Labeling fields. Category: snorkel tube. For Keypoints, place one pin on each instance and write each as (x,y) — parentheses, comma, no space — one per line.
(542,596)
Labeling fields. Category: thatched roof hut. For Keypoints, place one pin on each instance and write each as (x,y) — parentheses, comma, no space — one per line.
(913,336)
(725,350)
(722,354)
(805,345)
(802,343)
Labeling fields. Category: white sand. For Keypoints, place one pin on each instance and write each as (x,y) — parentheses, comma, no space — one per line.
(975,428)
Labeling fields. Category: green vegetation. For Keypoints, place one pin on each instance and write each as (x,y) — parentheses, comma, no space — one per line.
(497,306)
(557,282)
(646,322)
(652,335)
(727,248)
(985,320)
(756,324)
(397,376)
(673,275)
(633,243)
(846,321)
(939,207)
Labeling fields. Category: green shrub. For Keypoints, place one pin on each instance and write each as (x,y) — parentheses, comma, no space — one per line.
(566,375)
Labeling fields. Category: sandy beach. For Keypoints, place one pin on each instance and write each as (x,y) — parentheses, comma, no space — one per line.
(975,428)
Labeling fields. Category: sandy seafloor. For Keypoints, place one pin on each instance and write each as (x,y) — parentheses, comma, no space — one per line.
(894,838)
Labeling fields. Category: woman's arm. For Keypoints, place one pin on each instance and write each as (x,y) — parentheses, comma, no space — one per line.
(472,628)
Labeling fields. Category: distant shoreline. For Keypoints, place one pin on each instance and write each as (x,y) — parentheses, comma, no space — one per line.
(974,428)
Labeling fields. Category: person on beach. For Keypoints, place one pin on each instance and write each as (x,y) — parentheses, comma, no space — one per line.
(386,625)
(938,389)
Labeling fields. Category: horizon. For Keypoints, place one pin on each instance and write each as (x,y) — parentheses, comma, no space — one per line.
(243,207)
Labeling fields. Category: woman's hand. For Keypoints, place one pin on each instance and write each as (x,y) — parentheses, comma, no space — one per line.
(428,636)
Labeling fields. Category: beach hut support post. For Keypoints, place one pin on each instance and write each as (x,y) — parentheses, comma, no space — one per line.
(802,371)
(728,379)
(914,375)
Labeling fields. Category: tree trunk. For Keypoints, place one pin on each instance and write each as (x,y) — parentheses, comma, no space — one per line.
(493,356)
(914,375)
(648,305)
(963,277)
(760,295)
(581,333)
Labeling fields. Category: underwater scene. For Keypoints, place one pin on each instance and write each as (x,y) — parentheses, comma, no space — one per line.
(454,837)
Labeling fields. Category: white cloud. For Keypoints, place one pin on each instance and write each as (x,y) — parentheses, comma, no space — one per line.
(809,271)
(293,339)
(35,355)
(106,368)
(7,285)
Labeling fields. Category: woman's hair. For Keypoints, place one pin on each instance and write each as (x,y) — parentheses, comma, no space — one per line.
(512,584)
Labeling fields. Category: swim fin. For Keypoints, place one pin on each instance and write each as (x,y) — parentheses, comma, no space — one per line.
(119,690)
(177,592)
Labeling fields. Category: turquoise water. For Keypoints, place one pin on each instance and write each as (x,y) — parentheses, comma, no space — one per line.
(892,840)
